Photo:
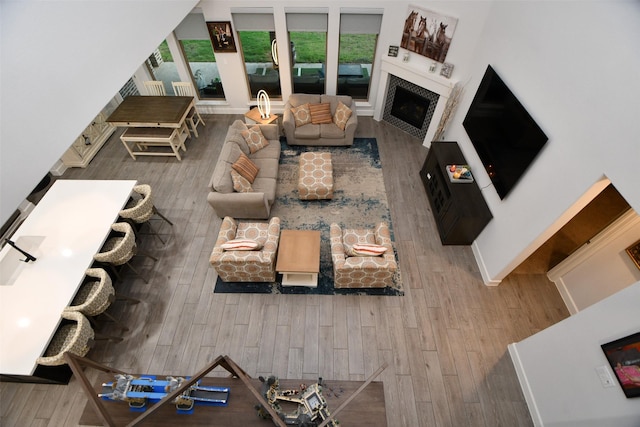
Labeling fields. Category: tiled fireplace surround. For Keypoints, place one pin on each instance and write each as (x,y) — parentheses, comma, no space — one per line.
(429,85)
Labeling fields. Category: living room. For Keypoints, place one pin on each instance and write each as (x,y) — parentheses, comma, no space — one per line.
(567,65)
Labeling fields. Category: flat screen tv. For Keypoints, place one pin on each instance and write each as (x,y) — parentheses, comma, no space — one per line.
(624,357)
(505,136)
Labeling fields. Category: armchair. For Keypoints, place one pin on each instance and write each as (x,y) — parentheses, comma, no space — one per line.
(362,271)
(247,266)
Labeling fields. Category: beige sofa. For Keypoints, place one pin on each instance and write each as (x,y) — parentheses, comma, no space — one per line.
(256,204)
(319,134)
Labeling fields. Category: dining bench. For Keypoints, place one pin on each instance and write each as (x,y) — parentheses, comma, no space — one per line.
(137,141)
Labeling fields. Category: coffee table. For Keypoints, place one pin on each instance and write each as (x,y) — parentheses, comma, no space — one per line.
(299,257)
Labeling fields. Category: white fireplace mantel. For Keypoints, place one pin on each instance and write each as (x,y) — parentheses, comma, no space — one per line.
(430,81)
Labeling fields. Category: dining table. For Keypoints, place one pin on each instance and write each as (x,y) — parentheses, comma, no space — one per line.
(62,234)
(153,121)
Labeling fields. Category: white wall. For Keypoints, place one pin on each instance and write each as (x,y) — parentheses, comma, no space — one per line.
(62,61)
(556,367)
(574,66)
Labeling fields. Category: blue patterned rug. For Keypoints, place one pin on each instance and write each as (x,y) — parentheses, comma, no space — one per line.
(359,201)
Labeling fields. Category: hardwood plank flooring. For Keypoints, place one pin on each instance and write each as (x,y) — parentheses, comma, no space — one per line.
(444,341)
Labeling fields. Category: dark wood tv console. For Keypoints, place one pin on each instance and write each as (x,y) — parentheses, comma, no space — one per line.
(459,209)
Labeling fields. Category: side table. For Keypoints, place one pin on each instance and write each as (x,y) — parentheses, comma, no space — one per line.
(252,117)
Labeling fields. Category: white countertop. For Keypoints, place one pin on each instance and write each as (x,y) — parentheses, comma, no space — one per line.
(65,229)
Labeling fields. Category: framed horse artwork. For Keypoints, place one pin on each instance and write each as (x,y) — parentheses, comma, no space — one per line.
(428,33)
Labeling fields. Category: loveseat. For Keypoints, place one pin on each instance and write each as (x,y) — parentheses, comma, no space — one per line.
(237,198)
(301,127)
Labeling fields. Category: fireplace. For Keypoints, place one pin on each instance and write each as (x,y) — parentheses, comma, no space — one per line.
(411,78)
(409,106)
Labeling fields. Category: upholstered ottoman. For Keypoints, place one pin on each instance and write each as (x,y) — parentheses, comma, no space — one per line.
(315,176)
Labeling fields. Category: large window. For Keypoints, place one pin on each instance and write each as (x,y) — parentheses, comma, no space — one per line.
(204,70)
(308,38)
(196,47)
(256,33)
(358,40)
(160,64)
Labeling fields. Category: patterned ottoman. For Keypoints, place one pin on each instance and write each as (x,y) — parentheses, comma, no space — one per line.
(315,176)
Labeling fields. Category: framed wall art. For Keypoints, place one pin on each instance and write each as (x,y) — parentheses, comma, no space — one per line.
(446,70)
(428,33)
(624,357)
(221,36)
(634,253)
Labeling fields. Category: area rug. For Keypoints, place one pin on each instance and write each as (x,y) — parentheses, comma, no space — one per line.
(359,201)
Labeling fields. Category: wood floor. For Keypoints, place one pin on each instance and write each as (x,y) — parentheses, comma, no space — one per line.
(445,341)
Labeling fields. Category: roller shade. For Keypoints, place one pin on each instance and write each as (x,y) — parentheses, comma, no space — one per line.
(253,21)
(351,23)
(192,27)
(307,22)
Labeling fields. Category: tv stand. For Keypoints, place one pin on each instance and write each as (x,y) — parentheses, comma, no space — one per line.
(459,209)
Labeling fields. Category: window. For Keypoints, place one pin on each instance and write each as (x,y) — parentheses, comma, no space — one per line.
(256,33)
(195,44)
(358,40)
(204,70)
(161,66)
(308,38)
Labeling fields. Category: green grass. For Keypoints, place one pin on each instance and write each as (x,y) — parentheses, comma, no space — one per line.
(357,48)
(256,46)
(310,48)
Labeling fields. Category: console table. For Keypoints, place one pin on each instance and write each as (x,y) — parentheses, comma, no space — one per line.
(459,208)
(63,232)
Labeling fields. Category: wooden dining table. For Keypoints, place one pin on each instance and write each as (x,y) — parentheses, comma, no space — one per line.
(153,121)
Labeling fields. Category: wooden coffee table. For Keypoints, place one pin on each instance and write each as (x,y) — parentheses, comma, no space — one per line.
(299,257)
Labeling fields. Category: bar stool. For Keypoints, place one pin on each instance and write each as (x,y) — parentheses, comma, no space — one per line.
(120,249)
(194,118)
(75,336)
(95,296)
(140,210)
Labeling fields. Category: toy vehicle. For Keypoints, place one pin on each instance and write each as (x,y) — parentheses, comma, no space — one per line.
(138,391)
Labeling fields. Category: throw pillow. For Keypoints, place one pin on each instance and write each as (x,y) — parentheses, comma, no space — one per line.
(342,115)
(255,139)
(240,183)
(320,113)
(368,249)
(301,115)
(245,167)
(241,245)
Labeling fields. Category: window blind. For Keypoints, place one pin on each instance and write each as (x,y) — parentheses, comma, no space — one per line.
(307,22)
(352,23)
(253,21)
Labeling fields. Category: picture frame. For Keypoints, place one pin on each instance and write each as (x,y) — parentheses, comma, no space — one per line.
(446,70)
(393,51)
(221,35)
(624,357)
(428,33)
(634,253)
